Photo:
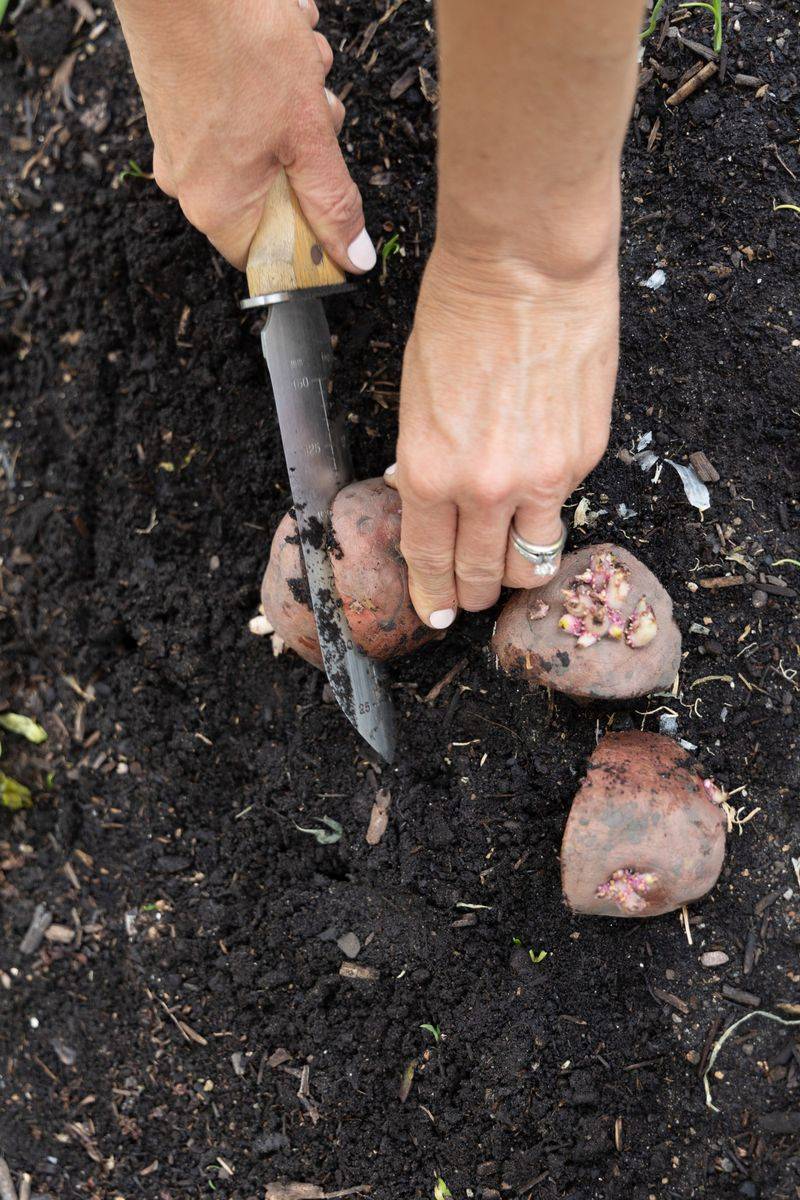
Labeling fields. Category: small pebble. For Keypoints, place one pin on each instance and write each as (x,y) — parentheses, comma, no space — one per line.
(714,958)
(349,944)
(759,598)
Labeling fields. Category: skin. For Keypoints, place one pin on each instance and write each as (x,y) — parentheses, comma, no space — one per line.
(510,369)
(259,84)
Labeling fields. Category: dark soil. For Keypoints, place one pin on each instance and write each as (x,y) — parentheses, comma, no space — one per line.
(157,1049)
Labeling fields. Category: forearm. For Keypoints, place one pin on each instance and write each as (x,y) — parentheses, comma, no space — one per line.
(535,101)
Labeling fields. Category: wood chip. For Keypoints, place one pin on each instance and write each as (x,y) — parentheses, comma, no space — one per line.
(691,86)
(293,1191)
(401,85)
(705,471)
(351,970)
(379,817)
(669,998)
(429,87)
(278,1058)
(40,923)
(748,999)
(721,581)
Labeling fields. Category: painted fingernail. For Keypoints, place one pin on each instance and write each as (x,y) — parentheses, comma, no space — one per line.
(392,470)
(361,252)
(442,618)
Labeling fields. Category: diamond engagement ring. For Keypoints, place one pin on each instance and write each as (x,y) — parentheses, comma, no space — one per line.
(544,558)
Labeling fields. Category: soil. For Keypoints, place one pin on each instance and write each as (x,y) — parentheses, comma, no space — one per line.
(185,1029)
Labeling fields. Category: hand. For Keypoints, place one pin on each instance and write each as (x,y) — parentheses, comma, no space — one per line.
(505,407)
(232,93)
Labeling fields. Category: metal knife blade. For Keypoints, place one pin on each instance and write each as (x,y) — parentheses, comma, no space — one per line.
(297,347)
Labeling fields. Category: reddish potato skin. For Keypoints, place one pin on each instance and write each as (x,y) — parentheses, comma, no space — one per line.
(370,574)
(284,594)
(643,807)
(537,650)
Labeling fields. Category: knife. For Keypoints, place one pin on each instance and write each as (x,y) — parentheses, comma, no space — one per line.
(290,273)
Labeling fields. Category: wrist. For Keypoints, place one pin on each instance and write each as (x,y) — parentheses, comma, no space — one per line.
(567,235)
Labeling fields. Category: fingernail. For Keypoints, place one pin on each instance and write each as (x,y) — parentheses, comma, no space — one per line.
(392,470)
(361,252)
(329,96)
(442,618)
(302,3)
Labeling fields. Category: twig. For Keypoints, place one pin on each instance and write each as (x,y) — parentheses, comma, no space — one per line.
(691,85)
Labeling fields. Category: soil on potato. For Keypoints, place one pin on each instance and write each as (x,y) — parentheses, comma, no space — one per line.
(185,1028)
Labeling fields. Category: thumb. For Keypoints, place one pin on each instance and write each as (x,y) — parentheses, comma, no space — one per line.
(328,197)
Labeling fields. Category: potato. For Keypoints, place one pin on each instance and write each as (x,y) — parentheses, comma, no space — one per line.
(601,629)
(370,575)
(644,835)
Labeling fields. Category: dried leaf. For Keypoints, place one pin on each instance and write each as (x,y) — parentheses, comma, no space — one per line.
(406,1082)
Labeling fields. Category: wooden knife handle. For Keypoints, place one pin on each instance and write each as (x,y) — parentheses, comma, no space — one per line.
(285,255)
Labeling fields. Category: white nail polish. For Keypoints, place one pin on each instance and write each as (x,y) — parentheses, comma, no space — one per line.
(361,252)
(392,470)
(442,618)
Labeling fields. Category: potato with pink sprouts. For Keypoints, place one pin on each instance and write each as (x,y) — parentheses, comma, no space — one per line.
(646,831)
(601,629)
(370,573)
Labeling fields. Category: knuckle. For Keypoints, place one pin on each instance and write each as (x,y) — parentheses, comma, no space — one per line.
(325,51)
(426,563)
(489,487)
(345,207)
(479,574)
(552,482)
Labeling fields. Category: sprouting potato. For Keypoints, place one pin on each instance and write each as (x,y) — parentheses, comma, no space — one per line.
(646,831)
(601,629)
(370,573)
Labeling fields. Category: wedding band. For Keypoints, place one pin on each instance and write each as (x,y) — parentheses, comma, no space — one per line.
(543,558)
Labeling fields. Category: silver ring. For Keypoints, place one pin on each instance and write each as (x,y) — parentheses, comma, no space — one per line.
(543,558)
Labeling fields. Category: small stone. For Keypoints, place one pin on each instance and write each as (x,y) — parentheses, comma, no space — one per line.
(759,598)
(349,944)
(714,958)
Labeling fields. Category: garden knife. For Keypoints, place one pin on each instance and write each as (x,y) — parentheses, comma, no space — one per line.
(288,271)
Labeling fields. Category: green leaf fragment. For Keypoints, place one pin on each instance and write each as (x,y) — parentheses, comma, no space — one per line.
(441,1191)
(391,247)
(537,956)
(24,726)
(13,794)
